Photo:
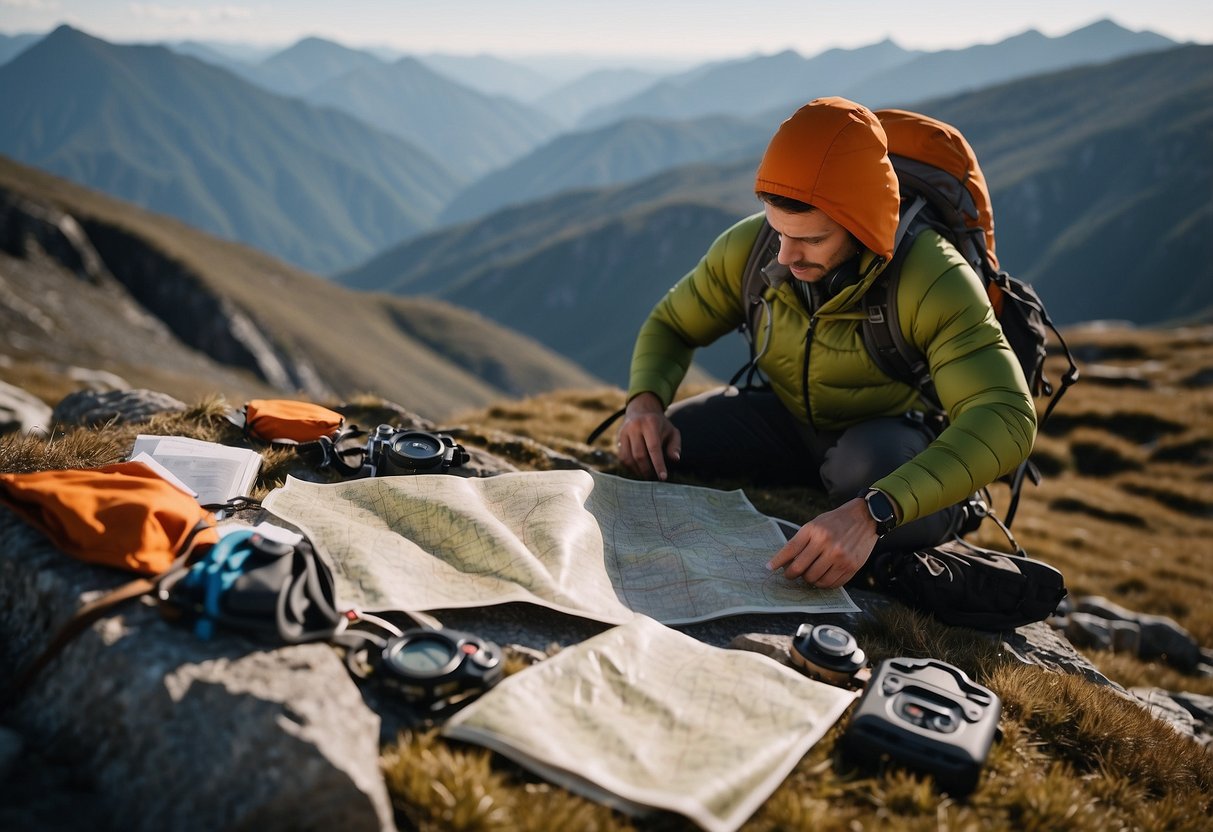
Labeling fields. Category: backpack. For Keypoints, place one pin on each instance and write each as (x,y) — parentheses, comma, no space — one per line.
(942,188)
(269,589)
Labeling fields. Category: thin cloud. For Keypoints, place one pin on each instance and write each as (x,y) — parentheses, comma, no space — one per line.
(177,14)
(32,5)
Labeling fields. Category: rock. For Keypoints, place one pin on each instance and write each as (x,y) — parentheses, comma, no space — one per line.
(180,733)
(27,226)
(1188,713)
(1042,645)
(1087,630)
(21,412)
(1160,637)
(97,379)
(11,746)
(92,408)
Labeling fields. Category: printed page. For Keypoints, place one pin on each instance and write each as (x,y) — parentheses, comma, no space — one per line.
(588,544)
(674,723)
(215,472)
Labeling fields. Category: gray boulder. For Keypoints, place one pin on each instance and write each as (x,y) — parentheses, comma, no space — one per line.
(176,732)
(93,408)
(21,412)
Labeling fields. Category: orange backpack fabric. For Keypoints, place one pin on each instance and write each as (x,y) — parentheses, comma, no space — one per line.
(938,143)
(124,516)
(283,420)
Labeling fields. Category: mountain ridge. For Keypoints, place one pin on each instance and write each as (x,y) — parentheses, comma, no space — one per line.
(283,329)
(1030,136)
(192,140)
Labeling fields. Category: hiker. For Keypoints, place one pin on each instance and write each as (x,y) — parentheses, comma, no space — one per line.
(828,417)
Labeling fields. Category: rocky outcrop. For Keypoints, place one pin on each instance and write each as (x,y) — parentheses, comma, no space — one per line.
(27,227)
(92,408)
(196,315)
(20,412)
(176,732)
(100,254)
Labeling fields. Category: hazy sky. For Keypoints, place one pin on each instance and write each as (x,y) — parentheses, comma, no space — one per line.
(677,28)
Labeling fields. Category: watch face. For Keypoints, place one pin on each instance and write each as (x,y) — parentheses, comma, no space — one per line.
(880,507)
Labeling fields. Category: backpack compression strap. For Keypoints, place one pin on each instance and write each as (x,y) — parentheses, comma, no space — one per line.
(882,334)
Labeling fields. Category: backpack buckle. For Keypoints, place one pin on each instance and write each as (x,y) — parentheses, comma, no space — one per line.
(875,315)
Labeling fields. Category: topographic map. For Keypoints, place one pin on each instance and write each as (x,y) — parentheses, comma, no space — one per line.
(584,543)
(643,716)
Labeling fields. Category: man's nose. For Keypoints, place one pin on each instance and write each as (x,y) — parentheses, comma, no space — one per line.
(787,252)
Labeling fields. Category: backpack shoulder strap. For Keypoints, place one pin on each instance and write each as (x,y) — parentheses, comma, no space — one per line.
(753,281)
(882,335)
(760,272)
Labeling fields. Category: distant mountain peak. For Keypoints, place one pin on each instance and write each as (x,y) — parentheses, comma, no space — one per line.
(1104,24)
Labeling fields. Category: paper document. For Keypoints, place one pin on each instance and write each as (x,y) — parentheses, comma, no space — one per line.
(215,473)
(644,716)
(588,544)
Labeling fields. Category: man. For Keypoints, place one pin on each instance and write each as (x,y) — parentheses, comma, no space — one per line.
(830,416)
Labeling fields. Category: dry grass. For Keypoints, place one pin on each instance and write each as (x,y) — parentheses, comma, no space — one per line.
(1126,512)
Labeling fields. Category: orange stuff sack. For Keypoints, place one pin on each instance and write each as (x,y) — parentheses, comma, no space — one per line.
(122,515)
(283,420)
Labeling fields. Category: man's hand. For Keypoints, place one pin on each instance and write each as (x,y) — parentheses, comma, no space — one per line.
(647,437)
(830,548)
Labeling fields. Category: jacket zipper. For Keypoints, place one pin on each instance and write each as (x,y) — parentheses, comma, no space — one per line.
(804,386)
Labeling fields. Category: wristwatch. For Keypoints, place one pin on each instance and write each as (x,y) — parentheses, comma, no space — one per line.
(882,511)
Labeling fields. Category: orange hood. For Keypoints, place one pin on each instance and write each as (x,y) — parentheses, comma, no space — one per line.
(832,154)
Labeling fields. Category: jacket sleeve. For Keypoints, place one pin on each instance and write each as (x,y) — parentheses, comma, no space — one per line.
(992,418)
(704,305)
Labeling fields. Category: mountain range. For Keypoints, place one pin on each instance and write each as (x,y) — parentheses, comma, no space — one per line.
(622,151)
(591,226)
(880,75)
(471,132)
(1100,178)
(314,186)
(96,290)
(222,143)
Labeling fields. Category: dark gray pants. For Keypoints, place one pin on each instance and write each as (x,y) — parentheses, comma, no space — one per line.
(751,434)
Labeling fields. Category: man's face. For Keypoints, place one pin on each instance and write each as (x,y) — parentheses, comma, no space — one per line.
(811,244)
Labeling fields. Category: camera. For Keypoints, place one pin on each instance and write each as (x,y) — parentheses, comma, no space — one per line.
(926,715)
(438,670)
(829,654)
(391,452)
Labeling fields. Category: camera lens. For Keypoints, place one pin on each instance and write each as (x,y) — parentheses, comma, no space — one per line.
(833,641)
(416,445)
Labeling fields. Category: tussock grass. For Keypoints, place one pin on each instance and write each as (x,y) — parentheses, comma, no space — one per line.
(1134,528)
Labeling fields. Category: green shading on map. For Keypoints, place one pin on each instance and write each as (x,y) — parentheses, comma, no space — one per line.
(583,543)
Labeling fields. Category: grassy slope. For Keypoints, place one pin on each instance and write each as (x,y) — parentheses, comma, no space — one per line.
(1125,511)
(360,342)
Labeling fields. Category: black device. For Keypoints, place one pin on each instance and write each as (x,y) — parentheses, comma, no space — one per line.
(880,507)
(927,715)
(391,451)
(830,654)
(437,670)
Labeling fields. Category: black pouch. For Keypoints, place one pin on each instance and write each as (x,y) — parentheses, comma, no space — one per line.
(963,584)
(271,590)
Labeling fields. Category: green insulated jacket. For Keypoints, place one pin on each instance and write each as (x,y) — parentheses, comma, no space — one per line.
(822,372)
